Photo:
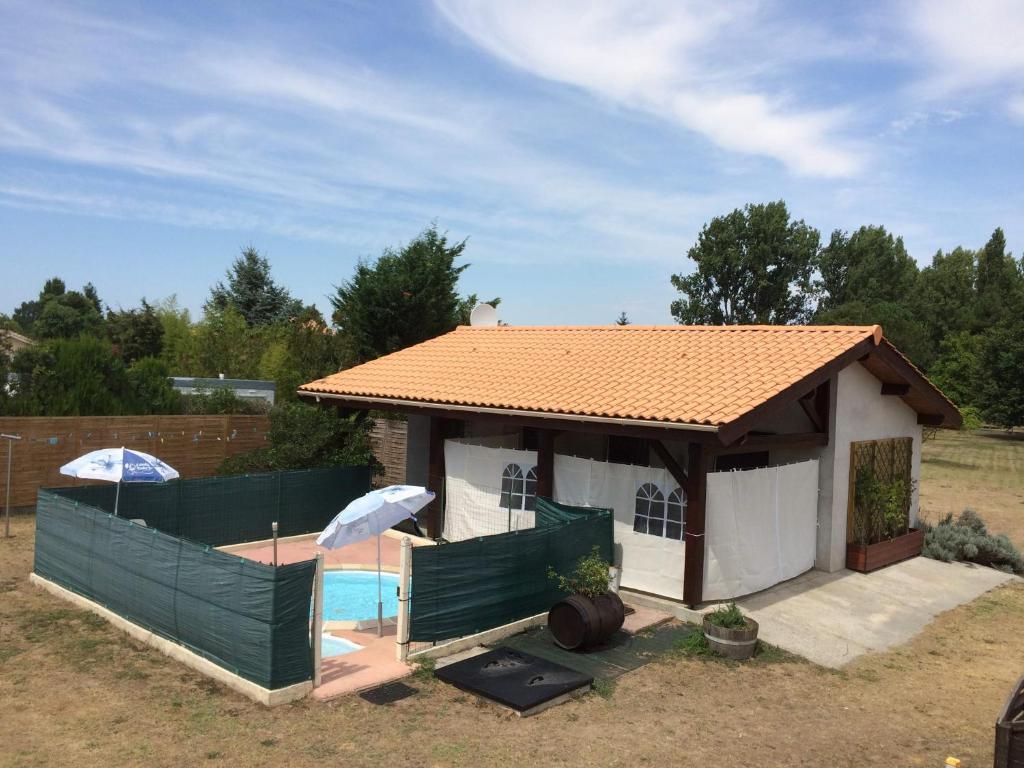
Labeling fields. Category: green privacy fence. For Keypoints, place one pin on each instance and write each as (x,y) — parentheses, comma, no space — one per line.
(474,585)
(231,510)
(249,618)
(252,619)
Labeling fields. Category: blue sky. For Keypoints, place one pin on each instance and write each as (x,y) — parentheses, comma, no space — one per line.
(580,146)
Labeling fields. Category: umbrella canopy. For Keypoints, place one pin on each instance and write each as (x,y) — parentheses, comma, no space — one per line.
(374,513)
(120,465)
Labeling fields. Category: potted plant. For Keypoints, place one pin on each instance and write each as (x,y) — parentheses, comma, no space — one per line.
(591,613)
(729,633)
(881,522)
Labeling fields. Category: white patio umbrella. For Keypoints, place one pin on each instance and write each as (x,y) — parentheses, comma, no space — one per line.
(371,515)
(119,465)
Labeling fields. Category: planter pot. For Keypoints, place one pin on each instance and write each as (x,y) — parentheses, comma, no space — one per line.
(738,644)
(579,622)
(869,557)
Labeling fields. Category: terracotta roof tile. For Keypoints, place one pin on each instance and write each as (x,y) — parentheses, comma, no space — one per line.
(686,374)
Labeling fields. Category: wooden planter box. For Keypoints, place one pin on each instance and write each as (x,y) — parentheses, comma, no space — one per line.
(870,557)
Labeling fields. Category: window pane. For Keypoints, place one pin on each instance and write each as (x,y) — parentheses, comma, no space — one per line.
(673,531)
(654,527)
(504,499)
(640,524)
(674,511)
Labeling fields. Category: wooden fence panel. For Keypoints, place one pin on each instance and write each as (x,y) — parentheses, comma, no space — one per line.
(194,445)
(388,440)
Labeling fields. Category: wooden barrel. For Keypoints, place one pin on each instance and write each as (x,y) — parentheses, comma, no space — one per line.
(582,622)
(738,644)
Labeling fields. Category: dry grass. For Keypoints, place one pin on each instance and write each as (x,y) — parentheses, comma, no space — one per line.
(77,692)
(982,470)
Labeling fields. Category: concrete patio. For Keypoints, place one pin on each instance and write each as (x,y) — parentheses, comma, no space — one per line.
(832,618)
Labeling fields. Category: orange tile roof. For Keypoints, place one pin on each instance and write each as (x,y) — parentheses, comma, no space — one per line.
(701,375)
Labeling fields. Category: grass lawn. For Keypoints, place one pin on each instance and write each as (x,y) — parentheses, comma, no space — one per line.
(983,470)
(76,692)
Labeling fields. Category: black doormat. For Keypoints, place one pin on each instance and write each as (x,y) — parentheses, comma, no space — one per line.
(513,678)
(388,693)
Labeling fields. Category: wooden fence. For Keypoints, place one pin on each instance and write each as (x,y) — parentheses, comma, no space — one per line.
(194,445)
(388,439)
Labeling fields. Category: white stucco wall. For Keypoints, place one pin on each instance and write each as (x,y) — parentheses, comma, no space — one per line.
(859,412)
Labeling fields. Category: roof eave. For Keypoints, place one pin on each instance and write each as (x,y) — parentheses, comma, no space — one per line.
(385,403)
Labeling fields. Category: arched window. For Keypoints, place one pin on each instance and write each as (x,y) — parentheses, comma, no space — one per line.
(675,519)
(518,487)
(650,510)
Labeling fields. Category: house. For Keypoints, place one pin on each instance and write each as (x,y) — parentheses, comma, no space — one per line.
(725,452)
(253,390)
(12,342)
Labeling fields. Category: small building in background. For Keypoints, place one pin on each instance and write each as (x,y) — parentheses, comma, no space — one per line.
(12,342)
(254,390)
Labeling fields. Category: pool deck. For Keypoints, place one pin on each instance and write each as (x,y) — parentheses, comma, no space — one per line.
(296,549)
(375,663)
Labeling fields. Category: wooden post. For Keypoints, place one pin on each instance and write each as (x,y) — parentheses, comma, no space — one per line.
(318,617)
(545,463)
(696,498)
(435,477)
(404,574)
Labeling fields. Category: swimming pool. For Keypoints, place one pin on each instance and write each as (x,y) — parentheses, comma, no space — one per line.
(352,595)
(336,646)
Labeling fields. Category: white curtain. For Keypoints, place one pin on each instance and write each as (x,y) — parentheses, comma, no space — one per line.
(760,528)
(649,563)
(472,491)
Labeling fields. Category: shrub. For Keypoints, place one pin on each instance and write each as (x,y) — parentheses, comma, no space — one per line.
(972,418)
(307,437)
(967,539)
(727,617)
(589,578)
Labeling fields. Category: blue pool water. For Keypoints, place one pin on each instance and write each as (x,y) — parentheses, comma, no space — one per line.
(336,646)
(352,595)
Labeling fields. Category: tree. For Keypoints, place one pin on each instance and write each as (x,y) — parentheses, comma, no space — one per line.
(68,377)
(303,349)
(61,314)
(403,298)
(956,370)
(999,286)
(623,319)
(870,266)
(135,333)
(304,437)
(944,298)
(179,338)
(867,278)
(753,266)
(252,292)
(148,389)
(226,344)
(1001,387)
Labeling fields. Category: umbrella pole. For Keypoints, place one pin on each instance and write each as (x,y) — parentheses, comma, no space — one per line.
(117,497)
(380,601)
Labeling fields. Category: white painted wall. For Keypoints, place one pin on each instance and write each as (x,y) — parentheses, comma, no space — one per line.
(859,412)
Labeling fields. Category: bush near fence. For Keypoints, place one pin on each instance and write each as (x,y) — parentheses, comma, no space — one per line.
(252,619)
(471,586)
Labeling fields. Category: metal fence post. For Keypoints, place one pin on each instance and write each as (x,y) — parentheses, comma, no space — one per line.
(404,574)
(7,509)
(318,617)
(273,530)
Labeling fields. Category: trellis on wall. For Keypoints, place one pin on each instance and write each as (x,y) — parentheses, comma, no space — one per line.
(878,514)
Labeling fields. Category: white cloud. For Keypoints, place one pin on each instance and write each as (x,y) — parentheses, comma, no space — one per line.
(968,46)
(667,58)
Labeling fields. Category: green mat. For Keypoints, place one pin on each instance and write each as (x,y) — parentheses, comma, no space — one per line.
(622,653)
